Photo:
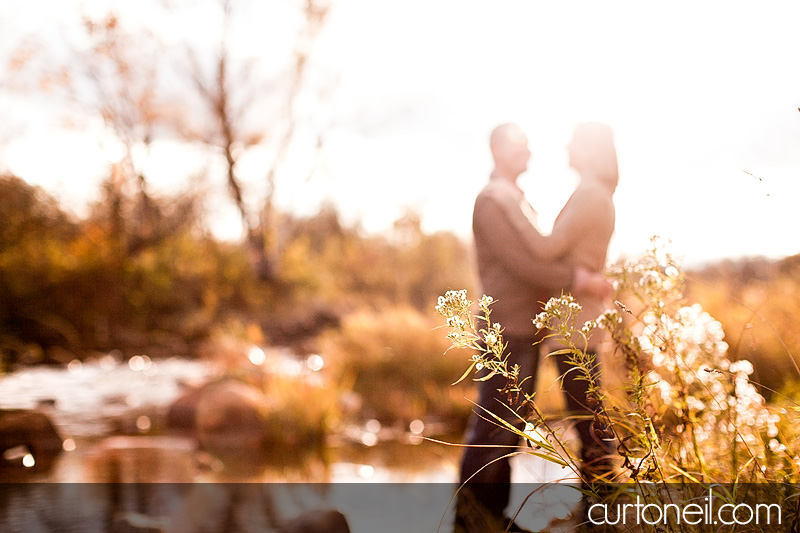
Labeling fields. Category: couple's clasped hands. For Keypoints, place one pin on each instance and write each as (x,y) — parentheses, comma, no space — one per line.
(593,283)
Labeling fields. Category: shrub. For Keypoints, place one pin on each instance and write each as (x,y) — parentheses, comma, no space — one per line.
(393,358)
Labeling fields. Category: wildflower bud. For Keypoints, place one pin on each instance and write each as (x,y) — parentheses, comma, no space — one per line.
(622,306)
(603,432)
(542,320)
(592,401)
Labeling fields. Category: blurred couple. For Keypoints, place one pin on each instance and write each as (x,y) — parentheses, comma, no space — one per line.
(519,267)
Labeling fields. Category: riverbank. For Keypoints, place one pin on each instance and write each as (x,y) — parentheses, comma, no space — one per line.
(110,414)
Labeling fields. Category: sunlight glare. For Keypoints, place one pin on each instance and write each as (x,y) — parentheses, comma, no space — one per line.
(257,356)
(315,362)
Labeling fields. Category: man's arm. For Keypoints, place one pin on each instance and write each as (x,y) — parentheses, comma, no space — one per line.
(507,236)
(582,210)
(511,240)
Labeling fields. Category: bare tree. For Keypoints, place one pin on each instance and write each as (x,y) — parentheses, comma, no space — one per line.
(119,78)
(230,96)
(111,76)
(125,76)
(227,131)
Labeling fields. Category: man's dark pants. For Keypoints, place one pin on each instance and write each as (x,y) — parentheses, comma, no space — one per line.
(484,471)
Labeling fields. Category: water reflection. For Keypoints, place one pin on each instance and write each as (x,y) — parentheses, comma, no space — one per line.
(112,417)
(90,398)
(132,459)
(166,483)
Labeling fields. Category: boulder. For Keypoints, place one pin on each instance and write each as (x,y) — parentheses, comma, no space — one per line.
(32,429)
(135,523)
(222,409)
(183,410)
(246,507)
(319,521)
(232,415)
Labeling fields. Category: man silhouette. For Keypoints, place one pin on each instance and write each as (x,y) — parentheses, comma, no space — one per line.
(506,238)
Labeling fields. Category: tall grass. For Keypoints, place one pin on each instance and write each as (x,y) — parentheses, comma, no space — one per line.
(393,359)
(683,416)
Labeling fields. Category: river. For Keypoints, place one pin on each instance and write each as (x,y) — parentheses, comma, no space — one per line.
(108,411)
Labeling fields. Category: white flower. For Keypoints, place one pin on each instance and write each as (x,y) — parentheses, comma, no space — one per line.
(742,366)
(456,323)
(776,447)
(542,320)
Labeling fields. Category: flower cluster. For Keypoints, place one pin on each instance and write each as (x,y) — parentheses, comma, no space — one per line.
(609,320)
(688,411)
(710,396)
(562,310)
(486,342)
(715,420)
(453,303)
(655,280)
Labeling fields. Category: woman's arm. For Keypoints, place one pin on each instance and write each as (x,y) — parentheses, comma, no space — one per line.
(576,219)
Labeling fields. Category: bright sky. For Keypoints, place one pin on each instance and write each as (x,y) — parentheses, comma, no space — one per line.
(703,98)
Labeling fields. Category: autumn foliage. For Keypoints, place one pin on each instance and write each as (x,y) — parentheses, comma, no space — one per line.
(160,284)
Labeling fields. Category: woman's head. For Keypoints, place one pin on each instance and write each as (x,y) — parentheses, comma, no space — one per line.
(592,153)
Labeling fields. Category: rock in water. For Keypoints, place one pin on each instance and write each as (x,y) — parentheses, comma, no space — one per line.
(327,521)
(32,429)
(232,415)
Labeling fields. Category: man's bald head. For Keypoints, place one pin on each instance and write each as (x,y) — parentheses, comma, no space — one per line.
(505,133)
(509,146)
